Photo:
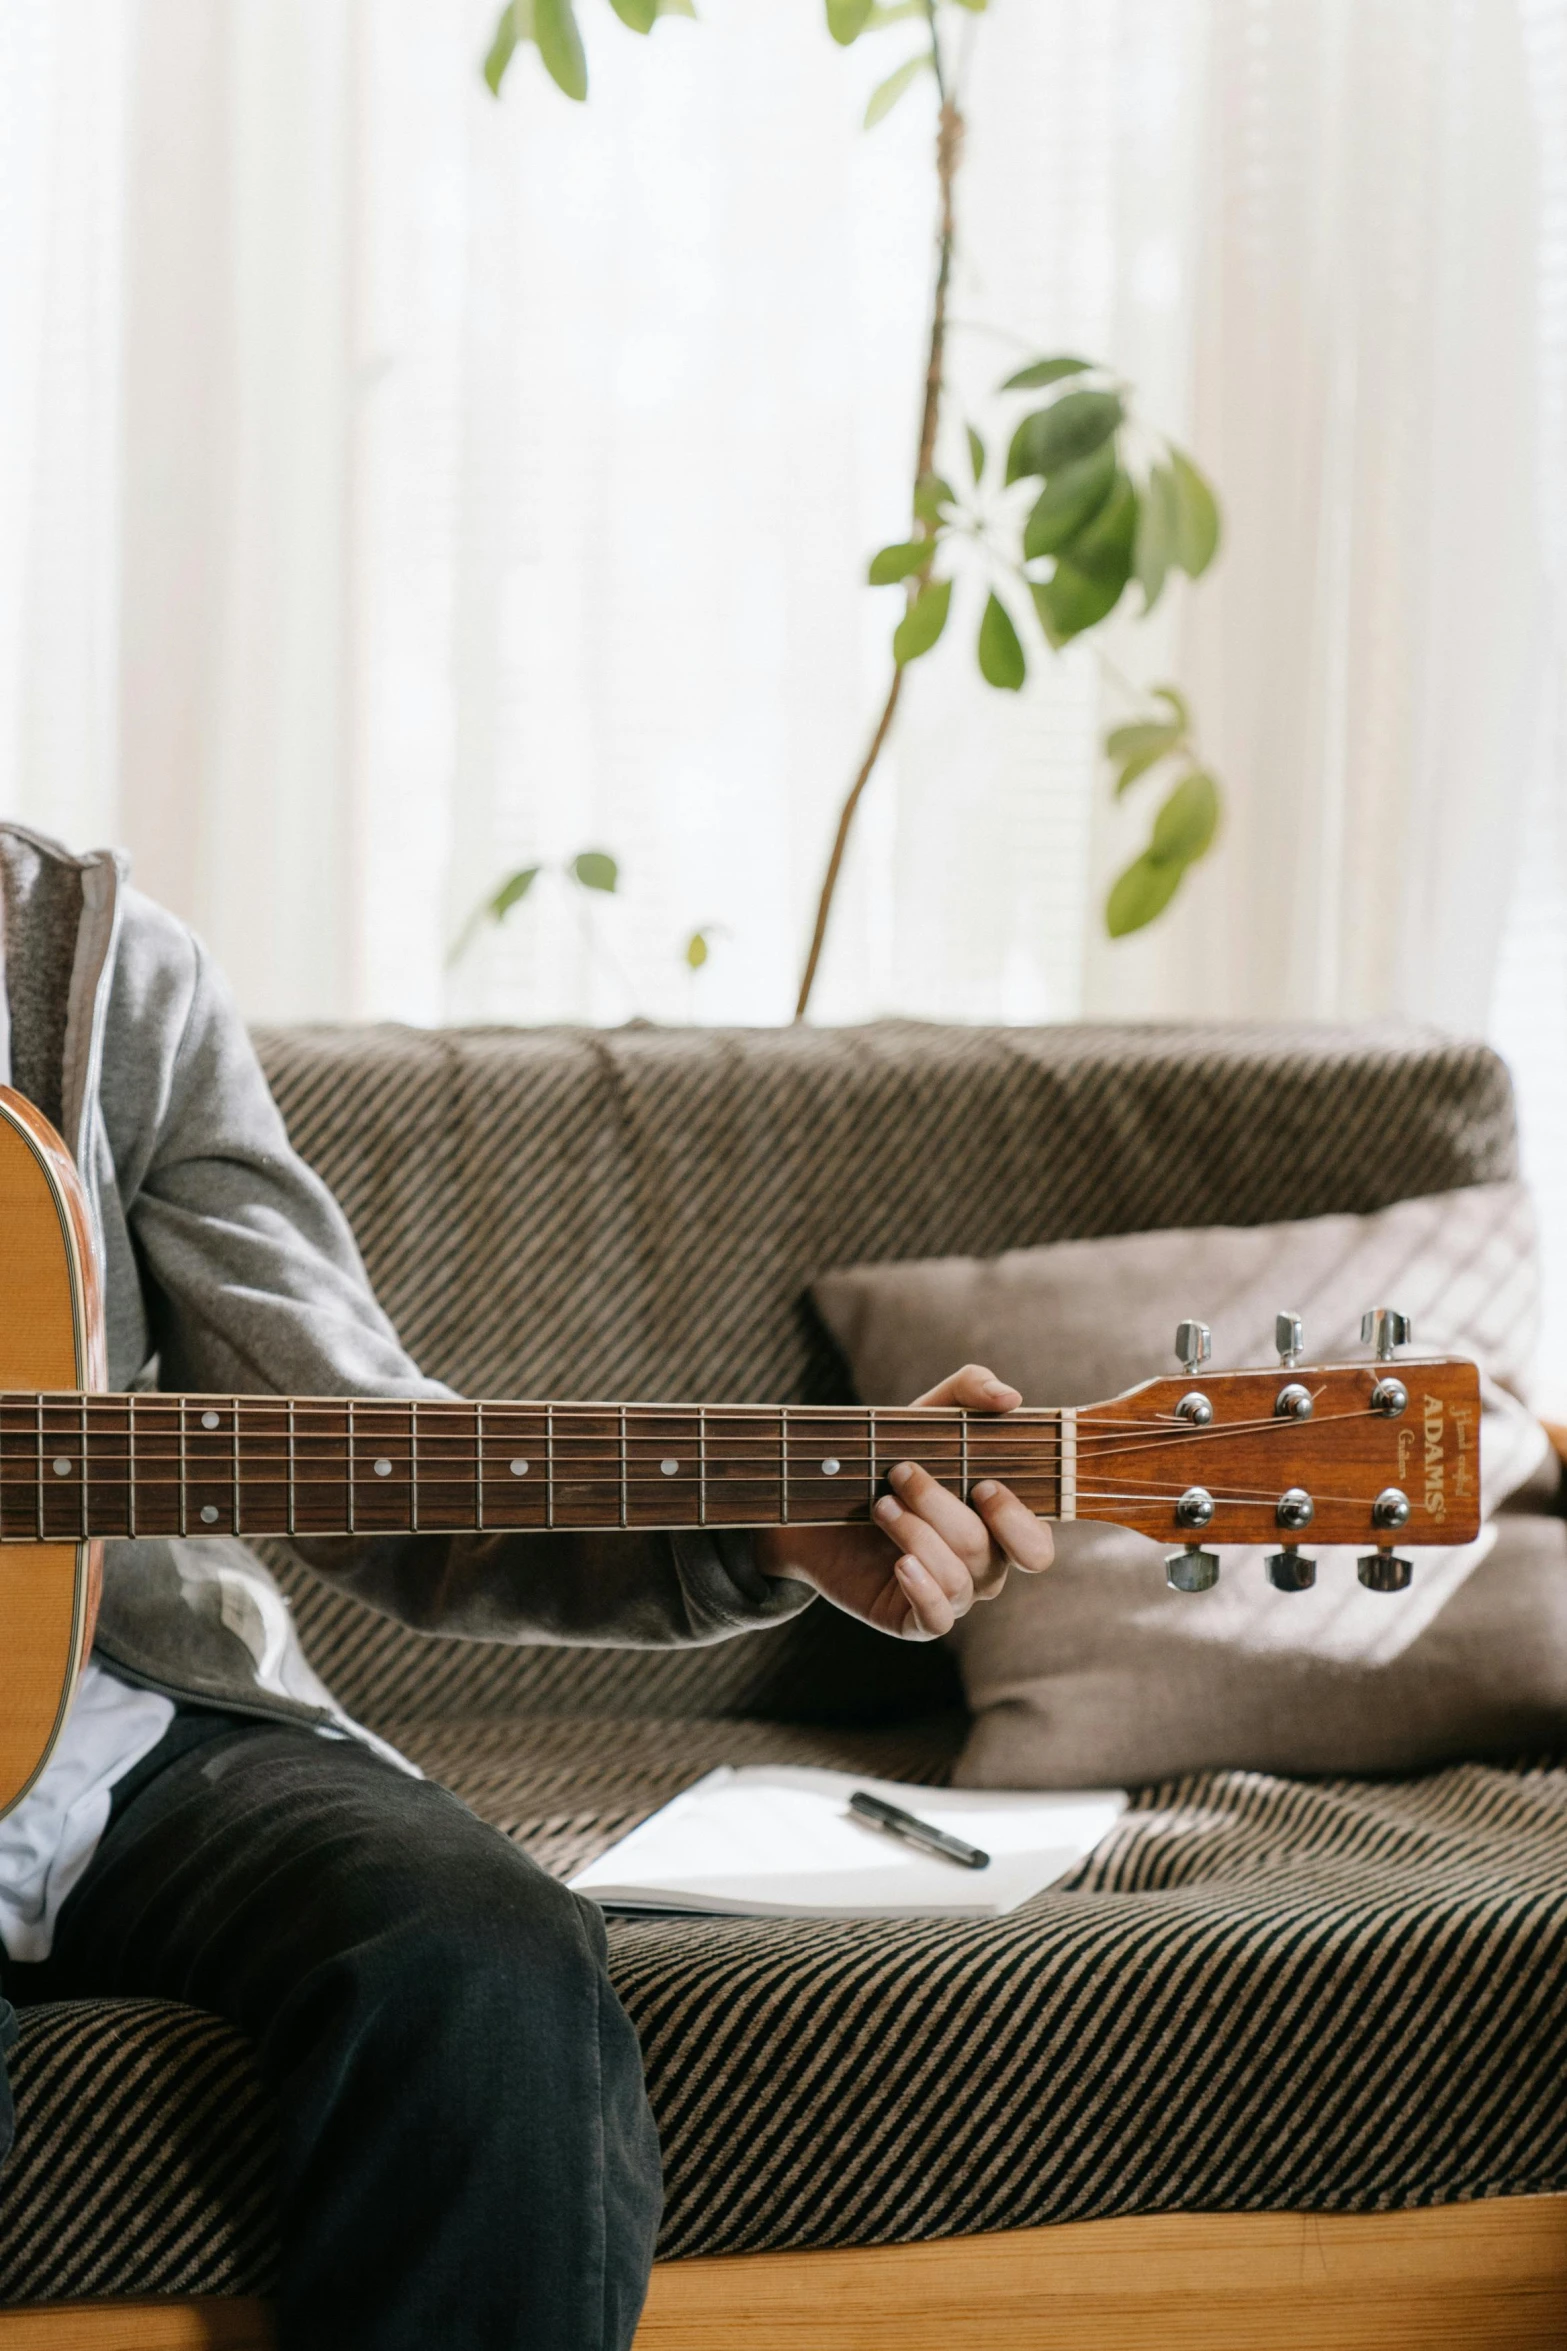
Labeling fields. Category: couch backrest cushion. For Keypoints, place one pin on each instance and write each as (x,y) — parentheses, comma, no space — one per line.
(638,1213)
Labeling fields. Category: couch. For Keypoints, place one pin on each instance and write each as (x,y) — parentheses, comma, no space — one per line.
(1283,2062)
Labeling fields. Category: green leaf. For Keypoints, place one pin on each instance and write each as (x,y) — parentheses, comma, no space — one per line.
(976,454)
(676,8)
(974,7)
(696,950)
(1001,661)
(640,15)
(1045,371)
(595,869)
(1069,602)
(1177,702)
(502,48)
(495,908)
(923,623)
(1069,499)
(1197,517)
(847,19)
(560,46)
(1158,530)
(1183,831)
(1141,893)
(1135,749)
(511,893)
(886,94)
(1133,770)
(1069,429)
(1091,571)
(930,496)
(1104,545)
(890,12)
(1141,735)
(1184,828)
(890,564)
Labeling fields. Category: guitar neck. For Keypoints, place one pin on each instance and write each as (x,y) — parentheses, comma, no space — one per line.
(75,1466)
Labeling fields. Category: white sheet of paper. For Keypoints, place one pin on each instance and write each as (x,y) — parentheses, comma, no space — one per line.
(780,1842)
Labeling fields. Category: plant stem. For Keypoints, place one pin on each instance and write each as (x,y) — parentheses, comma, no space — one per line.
(841,840)
(949,156)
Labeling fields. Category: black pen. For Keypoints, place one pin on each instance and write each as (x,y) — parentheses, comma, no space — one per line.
(915,1831)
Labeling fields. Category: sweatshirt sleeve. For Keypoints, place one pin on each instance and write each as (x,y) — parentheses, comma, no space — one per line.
(255,1286)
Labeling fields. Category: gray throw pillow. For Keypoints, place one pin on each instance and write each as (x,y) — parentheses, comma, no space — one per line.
(1097,1673)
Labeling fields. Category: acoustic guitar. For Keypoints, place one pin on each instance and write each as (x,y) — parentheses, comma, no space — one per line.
(1355,1453)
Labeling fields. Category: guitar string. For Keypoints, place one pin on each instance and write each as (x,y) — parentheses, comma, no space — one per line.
(1010,1439)
(1094,1425)
(102,1477)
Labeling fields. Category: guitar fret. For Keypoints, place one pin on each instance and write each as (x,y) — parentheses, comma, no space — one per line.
(478,1481)
(130,1464)
(353,1530)
(40,1469)
(84,1469)
(870,1441)
(783,1467)
(549,1465)
(184,1473)
(291,1466)
(413,1465)
(234,1430)
(963,1457)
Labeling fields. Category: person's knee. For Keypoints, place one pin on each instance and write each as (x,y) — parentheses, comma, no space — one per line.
(500,1972)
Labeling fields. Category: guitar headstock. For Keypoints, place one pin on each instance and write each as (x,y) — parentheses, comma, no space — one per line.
(1383,1454)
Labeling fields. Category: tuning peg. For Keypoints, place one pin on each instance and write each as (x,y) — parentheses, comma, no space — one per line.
(1384,1571)
(1385,1329)
(1290,1570)
(1193,1344)
(1192,1570)
(1290,1338)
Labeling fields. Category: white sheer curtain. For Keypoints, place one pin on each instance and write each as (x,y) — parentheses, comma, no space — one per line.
(397,488)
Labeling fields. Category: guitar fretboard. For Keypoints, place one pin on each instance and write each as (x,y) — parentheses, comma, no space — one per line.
(73,1466)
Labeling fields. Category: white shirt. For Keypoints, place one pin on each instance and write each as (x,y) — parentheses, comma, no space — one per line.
(48,1839)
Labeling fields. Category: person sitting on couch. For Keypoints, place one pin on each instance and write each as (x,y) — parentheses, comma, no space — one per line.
(467,2155)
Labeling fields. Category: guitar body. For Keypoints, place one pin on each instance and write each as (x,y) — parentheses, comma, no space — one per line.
(51,1337)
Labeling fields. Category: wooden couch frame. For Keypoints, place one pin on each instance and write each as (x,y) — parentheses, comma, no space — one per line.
(1489,2276)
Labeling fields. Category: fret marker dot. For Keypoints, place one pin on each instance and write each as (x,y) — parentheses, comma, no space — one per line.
(669,1467)
(519,1469)
(62,1467)
(831,1467)
(383,1469)
(209,1420)
(209,1516)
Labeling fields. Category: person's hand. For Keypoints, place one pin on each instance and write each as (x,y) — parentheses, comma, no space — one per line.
(927,1557)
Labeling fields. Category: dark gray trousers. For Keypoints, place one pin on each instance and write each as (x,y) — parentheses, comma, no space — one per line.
(468,2158)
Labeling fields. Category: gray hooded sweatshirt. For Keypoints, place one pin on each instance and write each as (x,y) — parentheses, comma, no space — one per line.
(230,1269)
